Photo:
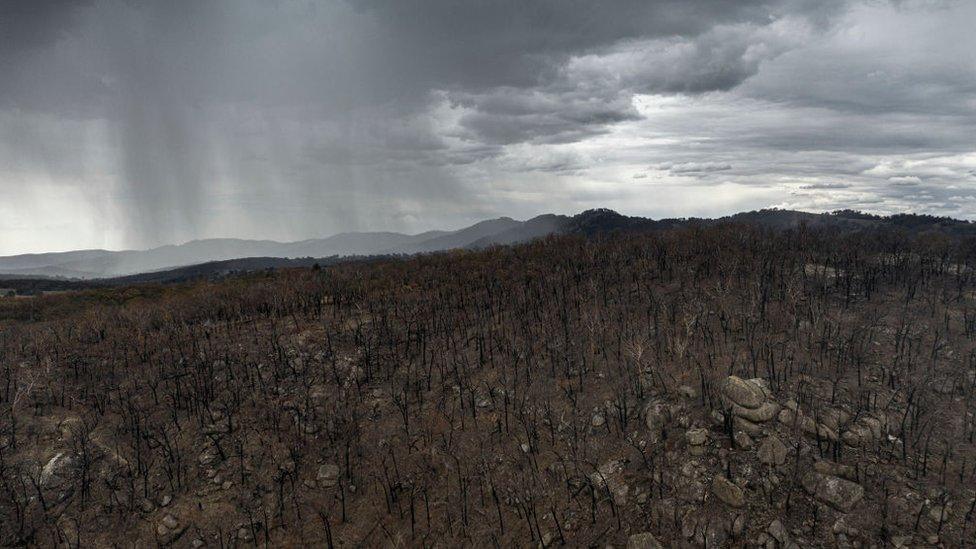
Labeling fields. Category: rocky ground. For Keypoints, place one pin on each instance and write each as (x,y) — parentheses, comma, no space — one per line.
(562,393)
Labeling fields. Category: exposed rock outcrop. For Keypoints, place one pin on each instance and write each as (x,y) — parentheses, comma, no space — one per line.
(750,403)
(866,430)
(772,451)
(609,476)
(728,492)
(792,417)
(840,494)
(744,393)
(58,469)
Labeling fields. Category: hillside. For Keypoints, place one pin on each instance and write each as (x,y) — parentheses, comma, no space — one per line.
(709,385)
(111,264)
(90,264)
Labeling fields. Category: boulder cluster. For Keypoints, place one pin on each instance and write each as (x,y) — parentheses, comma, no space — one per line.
(750,403)
(766,431)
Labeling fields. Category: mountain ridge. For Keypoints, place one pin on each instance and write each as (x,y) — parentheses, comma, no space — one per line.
(101,264)
(97,263)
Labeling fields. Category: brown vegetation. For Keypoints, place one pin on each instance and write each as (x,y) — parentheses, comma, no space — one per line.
(725,385)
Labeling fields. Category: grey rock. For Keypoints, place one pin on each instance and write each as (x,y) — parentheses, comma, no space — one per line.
(655,418)
(778,532)
(763,413)
(745,393)
(841,527)
(606,471)
(746,426)
(858,435)
(609,476)
(728,492)
(643,540)
(939,513)
(834,418)
(806,424)
(328,475)
(742,440)
(58,469)
(836,469)
(697,437)
(169,529)
(738,525)
(170,522)
(840,494)
(772,451)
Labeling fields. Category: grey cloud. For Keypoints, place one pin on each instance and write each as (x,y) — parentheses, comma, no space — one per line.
(290,118)
(824,186)
(719,59)
(481,45)
(353,53)
(554,162)
(692,168)
(515,116)
(592,91)
(909,60)
(26,25)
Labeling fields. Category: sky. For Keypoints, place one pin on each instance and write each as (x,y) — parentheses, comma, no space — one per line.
(132,124)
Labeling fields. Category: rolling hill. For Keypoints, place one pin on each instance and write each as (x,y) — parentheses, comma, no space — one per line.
(105,264)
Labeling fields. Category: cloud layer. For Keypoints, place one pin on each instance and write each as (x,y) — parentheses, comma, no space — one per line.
(131,124)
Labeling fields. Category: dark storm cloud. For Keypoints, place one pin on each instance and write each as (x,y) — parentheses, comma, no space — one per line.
(512,115)
(582,88)
(30,24)
(479,44)
(352,54)
(186,87)
(293,118)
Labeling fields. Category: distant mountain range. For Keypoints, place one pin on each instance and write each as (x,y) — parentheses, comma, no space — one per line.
(90,264)
(97,264)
